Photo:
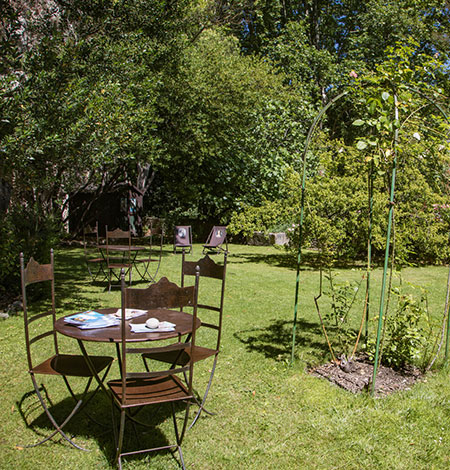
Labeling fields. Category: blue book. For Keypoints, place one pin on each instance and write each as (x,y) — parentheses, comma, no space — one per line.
(91,319)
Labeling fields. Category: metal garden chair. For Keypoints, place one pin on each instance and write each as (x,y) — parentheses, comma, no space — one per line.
(147,267)
(37,348)
(212,270)
(94,259)
(118,254)
(136,390)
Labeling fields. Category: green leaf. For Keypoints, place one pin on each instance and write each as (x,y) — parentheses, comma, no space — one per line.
(385,95)
(358,122)
(361,145)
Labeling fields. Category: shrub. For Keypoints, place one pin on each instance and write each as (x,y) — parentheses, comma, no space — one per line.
(24,230)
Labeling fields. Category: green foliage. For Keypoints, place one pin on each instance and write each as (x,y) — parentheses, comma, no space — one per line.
(350,176)
(408,331)
(229,127)
(343,296)
(270,214)
(24,230)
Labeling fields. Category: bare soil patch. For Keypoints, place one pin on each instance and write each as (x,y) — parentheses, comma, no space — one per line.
(356,376)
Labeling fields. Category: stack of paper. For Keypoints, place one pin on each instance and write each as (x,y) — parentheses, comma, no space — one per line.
(163,327)
(91,319)
(130,313)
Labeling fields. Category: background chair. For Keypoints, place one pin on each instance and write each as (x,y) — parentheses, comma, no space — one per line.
(95,262)
(208,308)
(135,390)
(118,254)
(147,266)
(182,238)
(216,238)
(63,365)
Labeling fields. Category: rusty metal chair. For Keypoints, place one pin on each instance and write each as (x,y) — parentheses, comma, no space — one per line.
(136,390)
(57,364)
(182,238)
(118,255)
(147,266)
(216,238)
(94,260)
(212,270)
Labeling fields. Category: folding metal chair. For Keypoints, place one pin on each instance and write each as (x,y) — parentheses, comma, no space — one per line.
(212,270)
(63,365)
(95,262)
(182,238)
(136,390)
(118,254)
(216,238)
(147,267)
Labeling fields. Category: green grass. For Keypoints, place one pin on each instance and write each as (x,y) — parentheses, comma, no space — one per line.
(269,414)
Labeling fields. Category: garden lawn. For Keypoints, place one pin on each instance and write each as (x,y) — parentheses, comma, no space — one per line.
(269,414)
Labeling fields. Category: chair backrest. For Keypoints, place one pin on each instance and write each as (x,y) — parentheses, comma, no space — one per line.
(155,235)
(117,237)
(90,235)
(123,236)
(35,273)
(182,236)
(163,294)
(208,269)
(217,236)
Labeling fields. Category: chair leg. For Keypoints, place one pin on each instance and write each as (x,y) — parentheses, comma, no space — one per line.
(85,392)
(58,427)
(202,404)
(120,439)
(178,436)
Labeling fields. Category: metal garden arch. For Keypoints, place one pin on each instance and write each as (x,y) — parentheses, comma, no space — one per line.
(309,138)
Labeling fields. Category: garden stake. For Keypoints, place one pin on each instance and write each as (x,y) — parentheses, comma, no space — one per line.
(369,250)
(448,326)
(316,301)
(386,254)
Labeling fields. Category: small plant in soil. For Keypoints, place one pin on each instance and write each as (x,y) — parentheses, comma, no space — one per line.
(407,338)
(343,296)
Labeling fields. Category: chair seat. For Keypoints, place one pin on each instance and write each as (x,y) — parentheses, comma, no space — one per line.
(119,265)
(172,356)
(71,365)
(150,390)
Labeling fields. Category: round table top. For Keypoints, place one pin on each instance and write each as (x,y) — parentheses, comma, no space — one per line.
(112,334)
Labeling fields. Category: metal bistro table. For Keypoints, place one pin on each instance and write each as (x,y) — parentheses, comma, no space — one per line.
(112,334)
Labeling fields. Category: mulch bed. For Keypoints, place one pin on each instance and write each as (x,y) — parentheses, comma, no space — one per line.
(356,376)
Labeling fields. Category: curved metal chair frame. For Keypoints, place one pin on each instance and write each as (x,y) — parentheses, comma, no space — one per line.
(118,260)
(95,262)
(63,365)
(143,265)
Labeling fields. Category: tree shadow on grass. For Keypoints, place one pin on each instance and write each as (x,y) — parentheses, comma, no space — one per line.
(310,261)
(275,340)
